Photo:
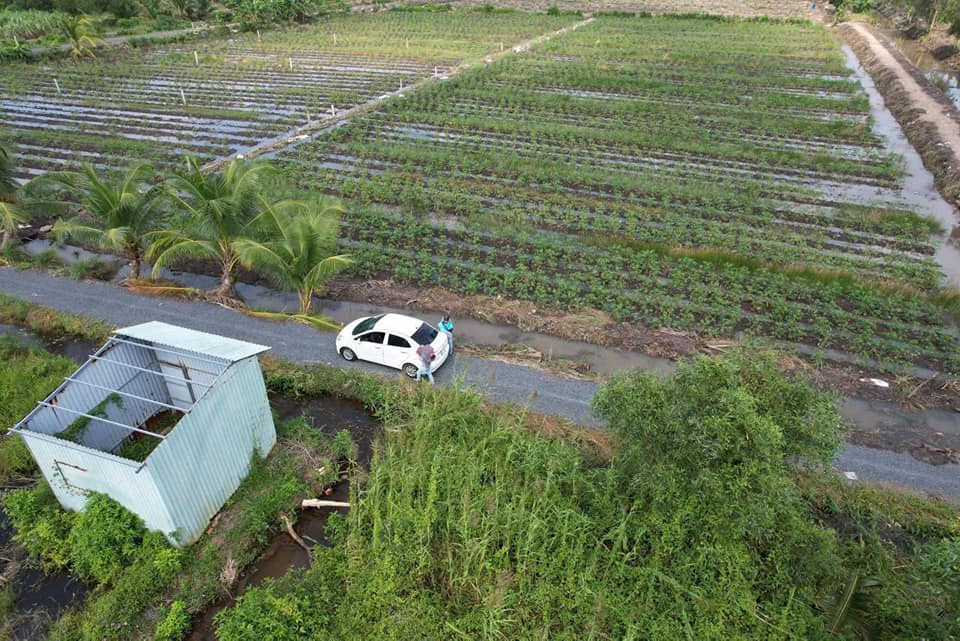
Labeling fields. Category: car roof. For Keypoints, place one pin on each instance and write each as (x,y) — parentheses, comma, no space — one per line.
(398,324)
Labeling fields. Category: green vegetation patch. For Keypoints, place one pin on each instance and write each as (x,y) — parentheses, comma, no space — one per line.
(27,375)
(470,527)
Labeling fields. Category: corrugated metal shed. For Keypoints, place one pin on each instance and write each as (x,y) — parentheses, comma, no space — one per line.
(80,434)
(219,347)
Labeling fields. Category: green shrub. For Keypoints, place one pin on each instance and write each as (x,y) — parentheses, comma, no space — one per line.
(117,613)
(174,623)
(298,605)
(261,613)
(42,527)
(94,269)
(343,446)
(105,537)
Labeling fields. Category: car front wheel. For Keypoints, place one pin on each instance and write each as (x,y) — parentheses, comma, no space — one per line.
(348,354)
(410,370)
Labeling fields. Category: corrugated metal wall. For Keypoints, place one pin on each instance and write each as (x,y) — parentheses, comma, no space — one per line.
(70,471)
(203,460)
(192,472)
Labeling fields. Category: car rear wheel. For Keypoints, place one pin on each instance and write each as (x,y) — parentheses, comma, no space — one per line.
(410,370)
(348,354)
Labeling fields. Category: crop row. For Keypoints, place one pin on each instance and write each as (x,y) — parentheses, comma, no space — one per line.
(649,288)
(612,167)
(221,96)
(467,200)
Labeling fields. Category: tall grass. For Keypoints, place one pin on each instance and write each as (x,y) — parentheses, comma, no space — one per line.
(26,376)
(470,527)
(26,25)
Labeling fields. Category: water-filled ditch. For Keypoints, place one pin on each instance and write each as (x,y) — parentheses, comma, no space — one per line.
(42,598)
(282,554)
(39,597)
(919,191)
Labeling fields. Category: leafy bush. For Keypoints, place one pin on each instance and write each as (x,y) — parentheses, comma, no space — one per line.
(104,539)
(42,527)
(174,624)
(94,268)
(291,608)
(256,12)
(343,446)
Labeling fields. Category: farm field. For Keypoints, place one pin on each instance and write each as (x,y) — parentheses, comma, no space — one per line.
(236,91)
(707,175)
(754,9)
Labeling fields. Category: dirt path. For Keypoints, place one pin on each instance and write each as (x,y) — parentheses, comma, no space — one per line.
(930,121)
(931,110)
(113,41)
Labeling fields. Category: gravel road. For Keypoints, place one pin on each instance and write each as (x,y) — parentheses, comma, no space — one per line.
(500,382)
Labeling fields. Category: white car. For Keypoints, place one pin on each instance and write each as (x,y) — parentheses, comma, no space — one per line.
(392,340)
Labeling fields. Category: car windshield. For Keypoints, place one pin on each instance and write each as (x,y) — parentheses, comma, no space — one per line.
(425,334)
(366,324)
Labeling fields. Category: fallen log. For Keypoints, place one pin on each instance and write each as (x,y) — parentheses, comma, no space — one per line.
(296,537)
(322,503)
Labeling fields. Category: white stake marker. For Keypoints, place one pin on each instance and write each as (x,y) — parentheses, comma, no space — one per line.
(57,85)
(333,110)
(183,97)
(196,58)
(290,61)
(258,35)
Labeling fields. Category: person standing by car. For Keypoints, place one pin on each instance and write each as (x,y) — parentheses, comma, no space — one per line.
(426,355)
(446,326)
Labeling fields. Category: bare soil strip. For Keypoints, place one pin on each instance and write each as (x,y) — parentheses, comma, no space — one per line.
(930,121)
(297,134)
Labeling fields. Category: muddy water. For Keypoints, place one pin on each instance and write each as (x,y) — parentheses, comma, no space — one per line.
(74,349)
(330,415)
(919,191)
(947,80)
(282,554)
(932,436)
(40,598)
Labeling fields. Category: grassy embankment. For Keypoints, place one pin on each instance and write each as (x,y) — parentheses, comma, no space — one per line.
(702,523)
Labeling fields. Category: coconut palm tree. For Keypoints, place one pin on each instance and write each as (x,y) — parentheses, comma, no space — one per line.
(298,255)
(215,212)
(115,214)
(12,215)
(80,38)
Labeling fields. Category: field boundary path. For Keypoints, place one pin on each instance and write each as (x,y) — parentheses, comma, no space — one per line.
(929,120)
(295,135)
(113,41)
(498,381)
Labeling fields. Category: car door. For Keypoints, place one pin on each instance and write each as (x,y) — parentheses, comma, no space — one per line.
(398,352)
(370,346)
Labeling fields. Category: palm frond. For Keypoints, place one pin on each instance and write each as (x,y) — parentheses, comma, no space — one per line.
(317,322)
(166,253)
